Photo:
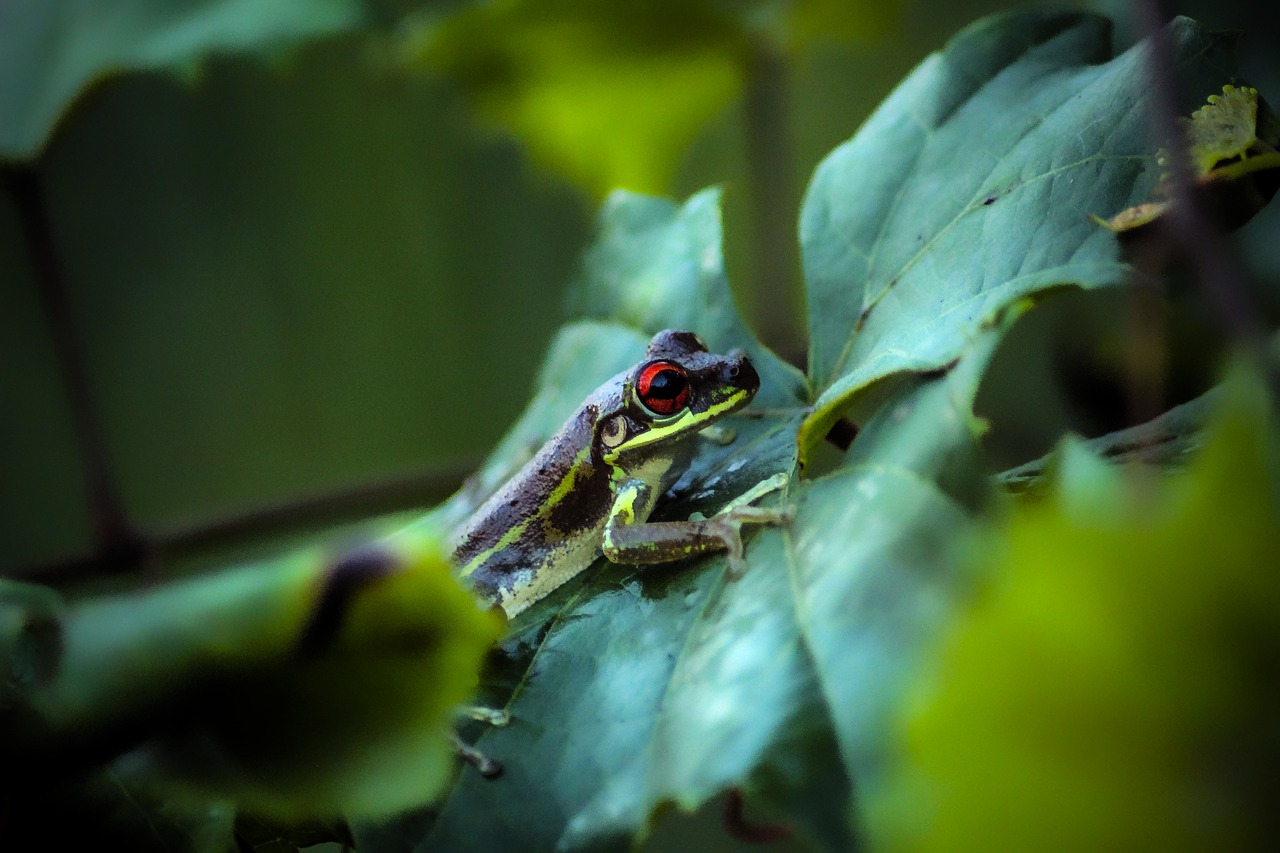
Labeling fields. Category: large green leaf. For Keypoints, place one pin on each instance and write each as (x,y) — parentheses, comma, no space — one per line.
(634,688)
(656,264)
(970,188)
(51,50)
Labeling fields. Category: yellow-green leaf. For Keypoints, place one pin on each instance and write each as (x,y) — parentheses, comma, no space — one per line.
(1114,685)
(1224,128)
(319,685)
(611,94)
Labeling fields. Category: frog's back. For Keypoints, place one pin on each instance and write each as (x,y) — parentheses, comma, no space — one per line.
(544,525)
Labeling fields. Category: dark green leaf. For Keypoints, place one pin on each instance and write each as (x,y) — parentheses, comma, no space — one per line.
(1166,441)
(314,686)
(659,265)
(51,50)
(970,189)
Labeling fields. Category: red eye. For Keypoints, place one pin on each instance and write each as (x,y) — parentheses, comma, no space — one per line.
(663,388)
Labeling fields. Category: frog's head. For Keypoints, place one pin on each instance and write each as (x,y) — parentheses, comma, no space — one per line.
(678,389)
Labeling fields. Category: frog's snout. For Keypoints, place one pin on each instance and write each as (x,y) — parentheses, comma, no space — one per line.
(739,373)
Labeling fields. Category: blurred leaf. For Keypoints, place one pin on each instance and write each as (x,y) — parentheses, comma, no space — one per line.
(916,232)
(1166,442)
(319,685)
(611,94)
(30,638)
(51,50)
(263,836)
(104,810)
(1114,685)
(1224,129)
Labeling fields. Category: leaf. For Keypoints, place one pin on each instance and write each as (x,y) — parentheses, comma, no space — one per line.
(52,50)
(1166,442)
(1113,684)
(1223,129)
(668,684)
(30,640)
(319,685)
(1228,147)
(90,813)
(611,94)
(656,265)
(968,191)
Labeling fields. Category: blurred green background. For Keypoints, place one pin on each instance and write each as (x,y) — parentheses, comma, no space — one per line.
(340,260)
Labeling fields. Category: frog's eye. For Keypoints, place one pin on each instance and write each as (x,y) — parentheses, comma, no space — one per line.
(663,387)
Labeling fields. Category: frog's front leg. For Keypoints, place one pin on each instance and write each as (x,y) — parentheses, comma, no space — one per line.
(629,538)
(487,767)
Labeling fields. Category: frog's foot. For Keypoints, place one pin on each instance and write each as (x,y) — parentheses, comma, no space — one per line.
(487,767)
(492,716)
(727,523)
(776,483)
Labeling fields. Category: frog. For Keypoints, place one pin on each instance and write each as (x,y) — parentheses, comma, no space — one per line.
(592,487)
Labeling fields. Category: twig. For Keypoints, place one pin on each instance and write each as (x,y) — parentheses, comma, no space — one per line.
(1190,226)
(741,829)
(775,261)
(118,544)
(369,499)
(115,539)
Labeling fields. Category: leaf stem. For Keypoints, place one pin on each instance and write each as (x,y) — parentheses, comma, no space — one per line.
(1219,275)
(774,275)
(114,537)
(741,829)
(368,499)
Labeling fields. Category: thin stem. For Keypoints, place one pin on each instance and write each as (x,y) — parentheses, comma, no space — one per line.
(114,537)
(1191,227)
(775,259)
(369,499)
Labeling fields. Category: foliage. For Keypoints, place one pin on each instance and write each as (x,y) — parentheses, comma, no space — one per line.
(610,94)
(51,52)
(763,682)
(1111,684)
(1230,138)
(316,686)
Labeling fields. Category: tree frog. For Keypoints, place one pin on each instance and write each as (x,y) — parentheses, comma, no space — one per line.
(592,486)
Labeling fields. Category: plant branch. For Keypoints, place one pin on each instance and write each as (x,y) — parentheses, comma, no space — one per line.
(775,261)
(369,499)
(1191,227)
(114,537)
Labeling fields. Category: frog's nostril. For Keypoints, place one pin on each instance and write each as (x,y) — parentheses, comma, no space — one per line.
(741,374)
